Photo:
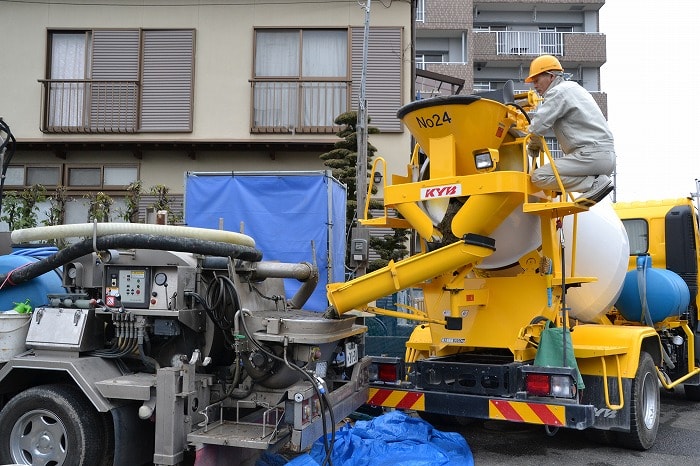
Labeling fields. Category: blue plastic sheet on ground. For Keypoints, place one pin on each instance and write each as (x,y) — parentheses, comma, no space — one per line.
(391,439)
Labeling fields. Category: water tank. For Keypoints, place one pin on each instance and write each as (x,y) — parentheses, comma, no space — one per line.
(36,290)
(667,294)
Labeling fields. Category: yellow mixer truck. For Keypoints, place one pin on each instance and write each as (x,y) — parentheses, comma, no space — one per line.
(535,308)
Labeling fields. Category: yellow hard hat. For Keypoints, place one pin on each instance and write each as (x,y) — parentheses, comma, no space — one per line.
(541,64)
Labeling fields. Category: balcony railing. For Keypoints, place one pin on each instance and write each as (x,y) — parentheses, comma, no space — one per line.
(89,106)
(298,106)
(529,43)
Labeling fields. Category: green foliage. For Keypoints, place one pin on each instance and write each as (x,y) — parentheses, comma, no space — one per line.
(55,214)
(163,202)
(389,247)
(342,160)
(133,195)
(99,206)
(57,207)
(20,208)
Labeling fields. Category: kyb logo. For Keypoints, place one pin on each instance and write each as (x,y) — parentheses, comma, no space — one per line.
(441,191)
(604,412)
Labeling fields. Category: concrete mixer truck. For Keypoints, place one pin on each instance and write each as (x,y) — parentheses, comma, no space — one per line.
(529,311)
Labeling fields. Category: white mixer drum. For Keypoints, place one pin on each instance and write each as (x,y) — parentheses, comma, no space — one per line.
(602,251)
(518,234)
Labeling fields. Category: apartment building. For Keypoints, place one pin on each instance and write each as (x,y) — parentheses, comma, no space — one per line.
(100,95)
(475,46)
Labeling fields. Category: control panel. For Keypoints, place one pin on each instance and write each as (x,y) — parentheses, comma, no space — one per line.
(128,287)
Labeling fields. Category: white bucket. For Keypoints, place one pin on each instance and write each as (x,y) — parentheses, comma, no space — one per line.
(13,334)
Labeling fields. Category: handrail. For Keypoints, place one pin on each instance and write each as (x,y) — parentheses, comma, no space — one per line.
(619,384)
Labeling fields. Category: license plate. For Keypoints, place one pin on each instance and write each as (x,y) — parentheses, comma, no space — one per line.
(351,355)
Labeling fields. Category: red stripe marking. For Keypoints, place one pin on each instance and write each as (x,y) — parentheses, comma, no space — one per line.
(545,414)
(409,400)
(380,397)
(507,410)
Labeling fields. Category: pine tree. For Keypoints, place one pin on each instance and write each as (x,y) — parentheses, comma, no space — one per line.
(342,160)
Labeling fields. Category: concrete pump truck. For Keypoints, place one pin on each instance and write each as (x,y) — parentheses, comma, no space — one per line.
(530,313)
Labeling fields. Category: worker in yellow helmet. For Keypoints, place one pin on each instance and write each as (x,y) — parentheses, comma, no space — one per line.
(581,129)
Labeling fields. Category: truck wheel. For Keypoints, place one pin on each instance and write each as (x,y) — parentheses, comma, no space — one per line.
(644,405)
(51,425)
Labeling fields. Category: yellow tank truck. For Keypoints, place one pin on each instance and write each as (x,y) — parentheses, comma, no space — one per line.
(521,320)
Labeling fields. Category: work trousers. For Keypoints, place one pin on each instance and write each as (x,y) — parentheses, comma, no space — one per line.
(577,170)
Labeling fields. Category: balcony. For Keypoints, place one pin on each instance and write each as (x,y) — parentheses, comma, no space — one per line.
(89,106)
(585,48)
(298,106)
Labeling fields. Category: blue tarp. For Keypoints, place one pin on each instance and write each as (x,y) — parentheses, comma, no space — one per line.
(283,212)
(393,438)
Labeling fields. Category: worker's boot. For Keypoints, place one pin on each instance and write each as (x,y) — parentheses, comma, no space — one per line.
(602,186)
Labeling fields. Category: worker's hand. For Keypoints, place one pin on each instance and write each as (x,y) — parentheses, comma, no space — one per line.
(534,144)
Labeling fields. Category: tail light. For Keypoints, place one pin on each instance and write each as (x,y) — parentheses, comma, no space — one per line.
(386,370)
(558,382)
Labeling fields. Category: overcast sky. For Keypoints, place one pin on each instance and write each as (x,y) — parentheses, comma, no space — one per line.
(650,76)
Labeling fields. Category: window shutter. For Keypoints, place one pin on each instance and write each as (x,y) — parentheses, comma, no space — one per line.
(115,71)
(384,75)
(166,83)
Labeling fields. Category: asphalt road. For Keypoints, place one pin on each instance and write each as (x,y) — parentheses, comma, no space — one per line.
(504,443)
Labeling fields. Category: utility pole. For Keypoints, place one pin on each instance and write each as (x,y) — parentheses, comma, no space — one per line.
(360,235)
(361,172)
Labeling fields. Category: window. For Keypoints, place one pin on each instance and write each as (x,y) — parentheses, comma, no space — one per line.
(482,86)
(107,81)
(420,11)
(554,148)
(78,183)
(22,176)
(430,57)
(638,234)
(97,177)
(301,78)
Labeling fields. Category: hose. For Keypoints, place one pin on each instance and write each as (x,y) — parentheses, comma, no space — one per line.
(74,251)
(304,272)
(102,229)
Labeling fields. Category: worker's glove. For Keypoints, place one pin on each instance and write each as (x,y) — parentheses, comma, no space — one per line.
(534,144)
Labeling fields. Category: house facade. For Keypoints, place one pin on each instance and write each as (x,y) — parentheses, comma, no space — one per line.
(102,95)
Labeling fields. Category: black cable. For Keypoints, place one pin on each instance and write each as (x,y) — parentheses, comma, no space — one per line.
(7,149)
(522,110)
(221,295)
(212,315)
(329,451)
(327,447)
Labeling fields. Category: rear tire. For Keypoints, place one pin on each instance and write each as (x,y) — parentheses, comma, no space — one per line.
(644,407)
(51,425)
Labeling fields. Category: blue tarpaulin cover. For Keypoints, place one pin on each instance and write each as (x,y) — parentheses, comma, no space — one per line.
(283,212)
(393,438)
